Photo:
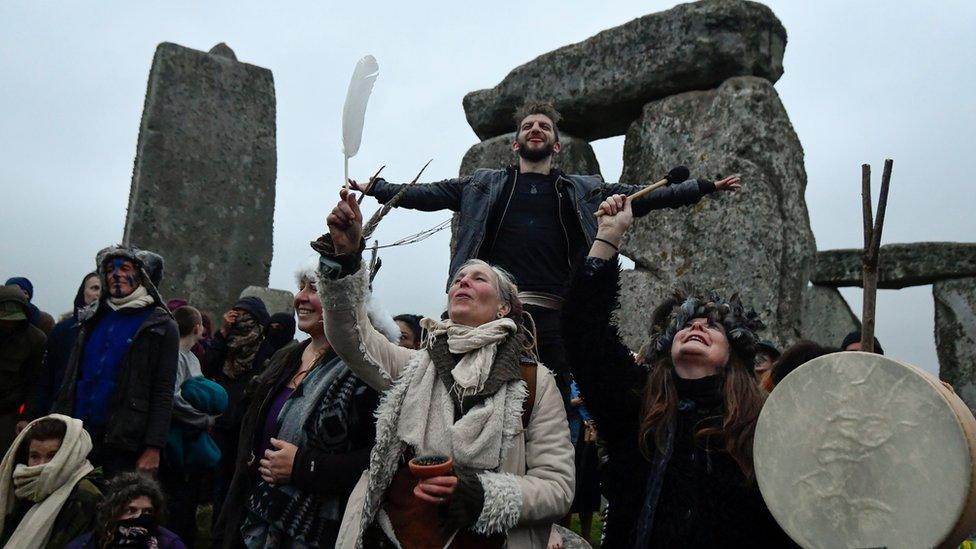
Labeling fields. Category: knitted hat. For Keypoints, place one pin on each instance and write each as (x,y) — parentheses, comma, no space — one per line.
(681,308)
(855,337)
(24,284)
(769,347)
(255,306)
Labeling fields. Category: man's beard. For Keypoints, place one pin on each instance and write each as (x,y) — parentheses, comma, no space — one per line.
(535,155)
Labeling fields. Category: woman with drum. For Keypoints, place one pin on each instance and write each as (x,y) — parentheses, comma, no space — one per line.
(679,427)
(472,446)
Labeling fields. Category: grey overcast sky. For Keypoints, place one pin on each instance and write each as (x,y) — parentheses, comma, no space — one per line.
(864,80)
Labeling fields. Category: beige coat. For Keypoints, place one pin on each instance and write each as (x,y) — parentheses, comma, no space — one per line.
(531,489)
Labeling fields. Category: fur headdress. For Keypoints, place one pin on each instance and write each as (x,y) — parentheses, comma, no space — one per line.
(150,265)
(381,320)
(677,311)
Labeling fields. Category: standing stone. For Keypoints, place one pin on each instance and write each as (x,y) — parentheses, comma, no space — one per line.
(600,84)
(756,241)
(827,318)
(639,295)
(275,301)
(899,265)
(203,185)
(955,335)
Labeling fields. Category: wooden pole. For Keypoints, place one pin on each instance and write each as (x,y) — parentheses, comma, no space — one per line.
(872,247)
(866,207)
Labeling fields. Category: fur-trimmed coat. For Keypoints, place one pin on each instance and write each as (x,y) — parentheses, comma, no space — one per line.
(531,489)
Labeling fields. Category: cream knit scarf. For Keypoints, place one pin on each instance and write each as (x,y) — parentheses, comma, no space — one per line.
(48,485)
(138,299)
(478,344)
(426,420)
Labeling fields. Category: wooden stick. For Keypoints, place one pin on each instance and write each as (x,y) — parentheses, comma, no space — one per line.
(872,248)
(374,261)
(640,193)
(866,206)
(369,186)
(882,206)
(390,204)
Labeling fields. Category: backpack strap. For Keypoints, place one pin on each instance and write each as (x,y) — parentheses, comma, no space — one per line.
(529,375)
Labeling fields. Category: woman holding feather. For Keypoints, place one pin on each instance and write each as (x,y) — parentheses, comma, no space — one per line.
(472,394)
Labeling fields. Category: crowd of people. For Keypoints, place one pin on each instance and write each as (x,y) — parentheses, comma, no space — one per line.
(482,427)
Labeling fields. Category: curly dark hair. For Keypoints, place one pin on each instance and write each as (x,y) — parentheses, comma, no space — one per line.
(119,492)
(545,108)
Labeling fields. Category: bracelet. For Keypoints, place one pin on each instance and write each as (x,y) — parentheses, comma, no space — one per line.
(608,243)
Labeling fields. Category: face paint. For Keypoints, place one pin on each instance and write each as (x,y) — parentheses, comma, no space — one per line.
(122,278)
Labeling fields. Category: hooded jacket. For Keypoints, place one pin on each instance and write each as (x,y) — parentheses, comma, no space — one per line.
(230,420)
(141,405)
(59,344)
(21,354)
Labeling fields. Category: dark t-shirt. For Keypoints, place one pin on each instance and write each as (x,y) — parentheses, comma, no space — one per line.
(529,239)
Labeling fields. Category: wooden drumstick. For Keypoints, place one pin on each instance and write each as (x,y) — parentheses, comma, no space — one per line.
(676,175)
(640,193)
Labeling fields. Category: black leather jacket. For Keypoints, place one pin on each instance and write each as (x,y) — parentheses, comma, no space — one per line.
(474,196)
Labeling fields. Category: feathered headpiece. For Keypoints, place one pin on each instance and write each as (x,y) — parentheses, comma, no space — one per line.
(677,311)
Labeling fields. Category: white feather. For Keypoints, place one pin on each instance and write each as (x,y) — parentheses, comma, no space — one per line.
(354,111)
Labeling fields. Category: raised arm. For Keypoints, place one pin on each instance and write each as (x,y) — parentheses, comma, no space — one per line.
(603,367)
(343,288)
(673,196)
(427,197)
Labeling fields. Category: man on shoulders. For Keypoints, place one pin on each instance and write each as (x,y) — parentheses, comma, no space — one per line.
(533,220)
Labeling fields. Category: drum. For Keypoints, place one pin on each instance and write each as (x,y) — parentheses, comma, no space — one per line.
(858,450)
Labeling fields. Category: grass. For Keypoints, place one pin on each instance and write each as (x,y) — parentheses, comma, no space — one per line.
(574,525)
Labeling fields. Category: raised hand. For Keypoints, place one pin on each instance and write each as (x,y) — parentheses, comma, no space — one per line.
(616,218)
(346,224)
(730,183)
(230,317)
(361,187)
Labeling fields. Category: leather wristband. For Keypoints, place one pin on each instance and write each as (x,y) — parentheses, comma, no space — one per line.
(608,243)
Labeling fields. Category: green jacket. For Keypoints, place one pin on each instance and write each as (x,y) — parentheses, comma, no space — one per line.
(77,516)
(21,355)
